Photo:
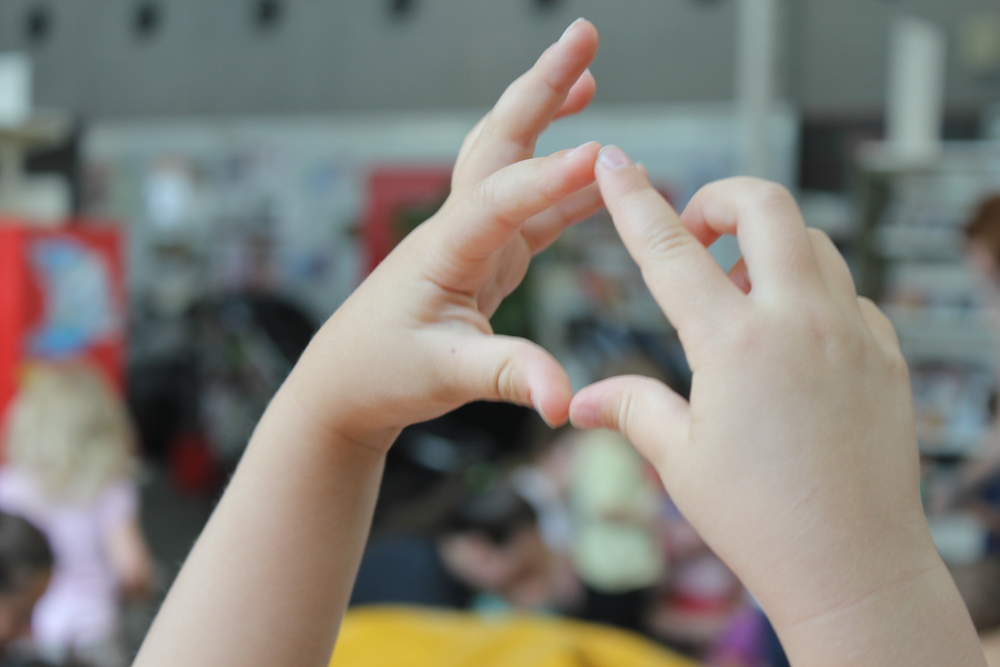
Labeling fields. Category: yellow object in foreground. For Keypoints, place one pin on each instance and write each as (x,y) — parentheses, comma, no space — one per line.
(408,636)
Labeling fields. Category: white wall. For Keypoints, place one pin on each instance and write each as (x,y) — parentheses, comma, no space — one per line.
(347,55)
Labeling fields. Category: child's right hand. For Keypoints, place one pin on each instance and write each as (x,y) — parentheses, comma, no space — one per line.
(415,341)
(796,458)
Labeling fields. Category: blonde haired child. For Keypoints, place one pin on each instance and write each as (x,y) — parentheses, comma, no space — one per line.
(69,449)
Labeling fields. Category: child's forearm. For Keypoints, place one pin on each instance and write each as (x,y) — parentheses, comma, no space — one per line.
(919,622)
(268,581)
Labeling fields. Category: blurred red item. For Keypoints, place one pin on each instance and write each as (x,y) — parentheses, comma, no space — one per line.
(27,304)
(391,190)
(192,467)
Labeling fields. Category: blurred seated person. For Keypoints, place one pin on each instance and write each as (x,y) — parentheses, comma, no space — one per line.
(489,553)
(703,608)
(25,571)
(69,471)
(980,476)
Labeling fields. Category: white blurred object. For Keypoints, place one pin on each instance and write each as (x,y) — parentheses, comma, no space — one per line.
(915,103)
(40,200)
(756,82)
(43,201)
(959,538)
(15,89)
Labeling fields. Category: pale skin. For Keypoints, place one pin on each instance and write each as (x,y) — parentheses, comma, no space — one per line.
(795,458)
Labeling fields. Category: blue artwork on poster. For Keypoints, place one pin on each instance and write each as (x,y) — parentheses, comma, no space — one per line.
(78,307)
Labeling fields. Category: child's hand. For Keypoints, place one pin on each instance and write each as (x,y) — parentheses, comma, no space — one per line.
(414,341)
(796,458)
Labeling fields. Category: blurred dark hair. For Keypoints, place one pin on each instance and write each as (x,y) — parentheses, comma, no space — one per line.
(24,552)
(984,228)
(497,512)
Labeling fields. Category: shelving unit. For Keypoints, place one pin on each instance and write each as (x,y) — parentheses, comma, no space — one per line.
(910,260)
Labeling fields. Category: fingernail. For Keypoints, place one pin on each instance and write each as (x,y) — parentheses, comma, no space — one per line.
(570,27)
(538,409)
(613,157)
(585,416)
(579,149)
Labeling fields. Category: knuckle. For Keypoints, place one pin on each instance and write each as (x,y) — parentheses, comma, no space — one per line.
(819,238)
(772,196)
(504,381)
(661,234)
(665,239)
(490,199)
(898,368)
(626,413)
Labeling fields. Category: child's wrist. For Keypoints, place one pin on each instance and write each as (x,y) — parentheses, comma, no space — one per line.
(844,572)
(881,628)
(333,426)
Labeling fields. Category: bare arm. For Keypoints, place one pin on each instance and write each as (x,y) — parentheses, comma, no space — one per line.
(268,581)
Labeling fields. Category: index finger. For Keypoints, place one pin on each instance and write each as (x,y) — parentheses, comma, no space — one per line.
(509,132)
(683,277)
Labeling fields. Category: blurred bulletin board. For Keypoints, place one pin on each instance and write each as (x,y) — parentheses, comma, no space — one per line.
(62,296)
(215,204)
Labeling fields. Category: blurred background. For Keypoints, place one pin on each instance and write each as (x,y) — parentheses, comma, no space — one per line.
(189,189)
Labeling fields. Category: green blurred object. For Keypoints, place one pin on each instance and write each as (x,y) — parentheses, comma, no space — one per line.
(513,317)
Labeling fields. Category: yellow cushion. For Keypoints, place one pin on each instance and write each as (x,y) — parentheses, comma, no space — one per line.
(405,637)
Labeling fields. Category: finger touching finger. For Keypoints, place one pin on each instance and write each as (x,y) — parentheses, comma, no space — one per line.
(474,226)
(543,229)
(685,280)
(514,370)
(645,411)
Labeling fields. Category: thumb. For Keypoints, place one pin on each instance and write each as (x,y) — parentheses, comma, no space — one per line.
(514,370)
(645,411)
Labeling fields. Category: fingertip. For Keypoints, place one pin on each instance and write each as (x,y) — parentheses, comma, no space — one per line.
(585,415)
(586,152)
(575,167)
(580,30)
(612,158)
(552,403)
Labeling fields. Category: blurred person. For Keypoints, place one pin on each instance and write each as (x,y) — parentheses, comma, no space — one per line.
(69,470)
(978,482)
(488,555)
(795,458)
(703,607)
(618,547)
(26,563)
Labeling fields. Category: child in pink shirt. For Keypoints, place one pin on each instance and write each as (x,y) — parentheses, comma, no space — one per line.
(69,456)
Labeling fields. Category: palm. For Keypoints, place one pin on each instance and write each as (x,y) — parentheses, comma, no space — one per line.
(504,208)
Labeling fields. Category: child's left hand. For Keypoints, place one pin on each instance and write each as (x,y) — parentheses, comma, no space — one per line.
(414,341)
